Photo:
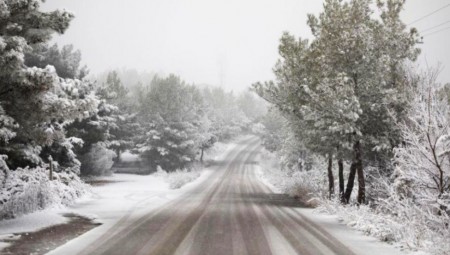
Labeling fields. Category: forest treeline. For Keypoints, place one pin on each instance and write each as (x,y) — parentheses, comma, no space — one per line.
(350,99)
(57,122)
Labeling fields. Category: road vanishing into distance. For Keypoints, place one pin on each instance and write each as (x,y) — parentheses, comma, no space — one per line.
(231,212)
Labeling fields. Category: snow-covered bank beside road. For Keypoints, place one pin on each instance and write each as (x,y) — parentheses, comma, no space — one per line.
(362,244)
(120,198)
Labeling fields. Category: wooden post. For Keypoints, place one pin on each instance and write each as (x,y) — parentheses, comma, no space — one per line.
(51,168)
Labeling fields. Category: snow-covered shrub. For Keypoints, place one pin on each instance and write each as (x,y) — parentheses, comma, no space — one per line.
(423,163)
(309,186)
(98,161)
(179,178)
(229,132)
(390,216)
(258,129)
(26,190)
(395,220)
(160,172)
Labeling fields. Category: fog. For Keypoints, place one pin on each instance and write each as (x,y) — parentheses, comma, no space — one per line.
(227,43)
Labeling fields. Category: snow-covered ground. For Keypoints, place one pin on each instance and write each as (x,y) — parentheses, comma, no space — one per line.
(124,198)
(120,197)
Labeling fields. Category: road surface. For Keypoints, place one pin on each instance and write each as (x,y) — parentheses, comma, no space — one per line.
(231,212)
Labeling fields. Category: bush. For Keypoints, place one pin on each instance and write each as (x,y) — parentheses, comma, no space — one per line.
(27,190)
(98,161)
(179,178)
(308,186)
(386,221)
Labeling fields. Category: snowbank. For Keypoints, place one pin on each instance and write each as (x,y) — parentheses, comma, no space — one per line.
(32,221)
(27,190)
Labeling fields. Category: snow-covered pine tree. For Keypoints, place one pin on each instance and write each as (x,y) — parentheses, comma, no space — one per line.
(66,60)
(170,115)
(123,121)
(40,102)
(346,86)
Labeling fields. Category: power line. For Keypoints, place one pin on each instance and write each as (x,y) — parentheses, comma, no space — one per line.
(433,27)
(428,15)
(440,30)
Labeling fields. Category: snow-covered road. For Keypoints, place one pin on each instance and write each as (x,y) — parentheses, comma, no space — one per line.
(227,211)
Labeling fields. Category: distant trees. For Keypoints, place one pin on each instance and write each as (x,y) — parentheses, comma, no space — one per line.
(227,118)
(170,112)
(179,122)
(345,91)
(53,117)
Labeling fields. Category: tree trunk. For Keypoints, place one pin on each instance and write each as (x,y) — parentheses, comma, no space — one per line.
(350,183)
(361,180)
(201,156)
(330,176)
(341,179)
(50,177)
(118,152)
(354,167)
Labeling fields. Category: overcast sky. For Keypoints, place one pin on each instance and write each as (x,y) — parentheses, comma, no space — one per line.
(220,42)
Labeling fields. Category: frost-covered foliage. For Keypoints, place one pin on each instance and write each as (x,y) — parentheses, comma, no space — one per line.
(123,123)
(423,162)
(309,186)
(347,96)
(98,160)
(179,178)
(113,125)
(25,190)
(205,137)
(223,109)
(66,60)
(39,101)
(170,115)
(417,191)
(413,193)
(385,219)
(410,227)
(170,147)
(345,90)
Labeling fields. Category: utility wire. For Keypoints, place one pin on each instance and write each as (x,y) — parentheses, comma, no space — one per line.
(433,27)
(440,30)
(428,15)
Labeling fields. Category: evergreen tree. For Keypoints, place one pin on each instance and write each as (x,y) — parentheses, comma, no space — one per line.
(345,90)
(66,61)
(40,102)
(123,122)
(170,114)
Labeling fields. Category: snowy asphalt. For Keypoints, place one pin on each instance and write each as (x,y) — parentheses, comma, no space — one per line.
(231,212)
